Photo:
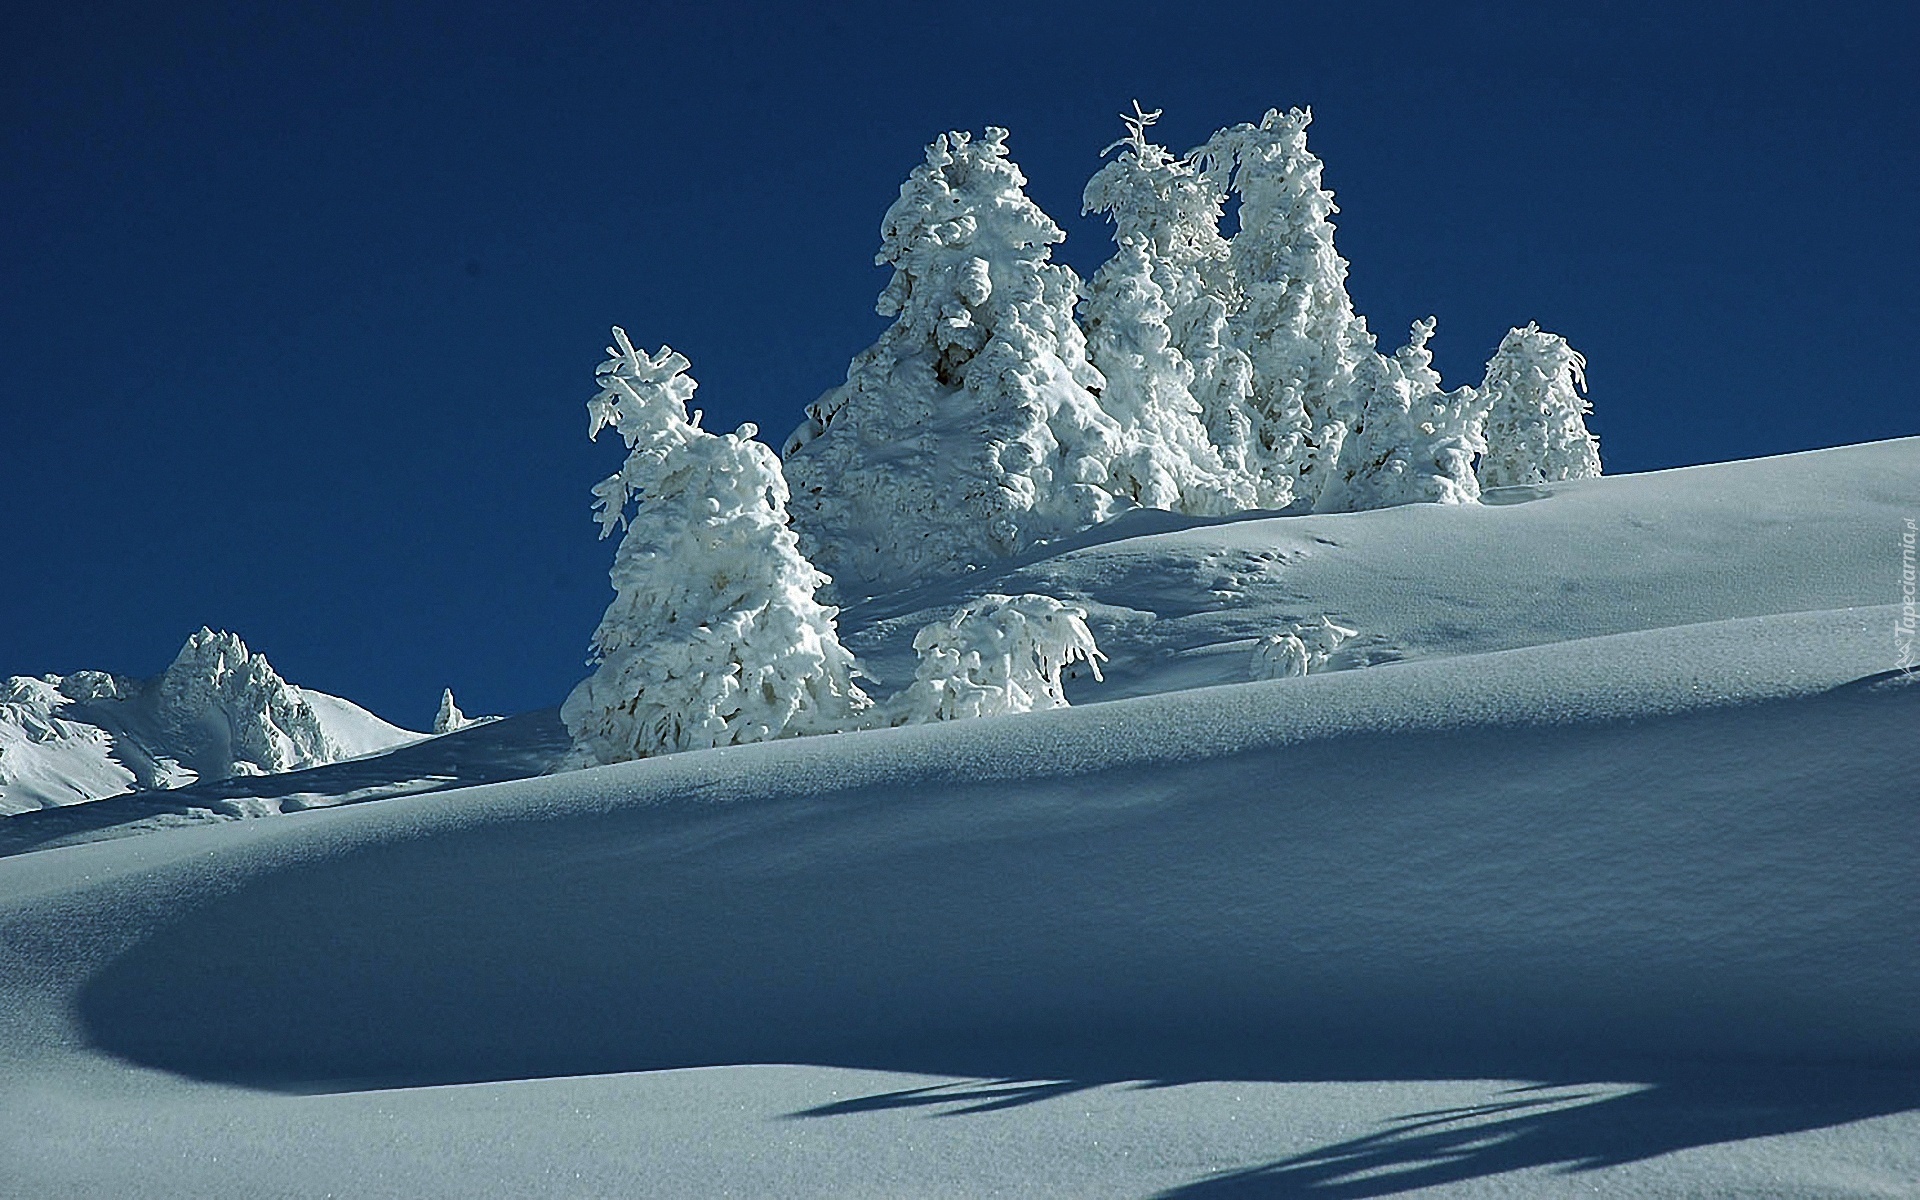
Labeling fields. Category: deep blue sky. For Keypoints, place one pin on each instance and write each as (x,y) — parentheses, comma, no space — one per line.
(299,308)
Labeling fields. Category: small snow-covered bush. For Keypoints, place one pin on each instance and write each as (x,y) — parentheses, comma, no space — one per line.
(1536,429)
(1000,654)
(714,636)
(1298,649)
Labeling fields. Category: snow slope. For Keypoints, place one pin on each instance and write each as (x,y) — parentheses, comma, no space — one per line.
(1600,879)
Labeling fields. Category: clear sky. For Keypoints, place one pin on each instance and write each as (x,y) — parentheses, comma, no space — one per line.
(300,305)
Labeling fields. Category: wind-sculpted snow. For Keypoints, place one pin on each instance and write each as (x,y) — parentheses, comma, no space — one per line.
(1626,914)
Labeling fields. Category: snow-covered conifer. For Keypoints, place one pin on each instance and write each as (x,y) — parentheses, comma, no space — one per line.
(1156,321)
(714,636)
(225,707)
(1411,442)
(998,655)
(1294,319)
(1536,429)
(969,429)
(449,718)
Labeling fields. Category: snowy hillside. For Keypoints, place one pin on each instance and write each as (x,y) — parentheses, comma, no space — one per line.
(218,711)
(1587,865)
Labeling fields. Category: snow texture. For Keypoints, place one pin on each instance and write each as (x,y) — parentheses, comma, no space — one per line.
(970,430)
(997,655)
(1536,430)
(219,710)
(714,636)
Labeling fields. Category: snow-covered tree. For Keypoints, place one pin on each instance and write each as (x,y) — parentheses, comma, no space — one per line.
(714,636)
(227,711)
(969,430)
(1411,442)
(449,718)
(1294,319)
(1298,649)
(1156,324)
(998,655)
(1536,429)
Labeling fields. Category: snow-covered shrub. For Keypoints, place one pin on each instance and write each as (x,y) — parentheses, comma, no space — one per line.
(714,636)
(1536,429)
(1298,649)
(221,703)
(1293,318)
(998,655)
(968,430)
(1411,442)
(1156,324)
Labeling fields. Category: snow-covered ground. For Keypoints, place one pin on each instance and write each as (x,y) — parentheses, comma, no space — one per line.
(1586,867)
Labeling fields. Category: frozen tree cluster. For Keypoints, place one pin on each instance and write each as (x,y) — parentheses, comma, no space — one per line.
(1203,373)
(714,636)
(219,710)
(221,701)
(1006,405)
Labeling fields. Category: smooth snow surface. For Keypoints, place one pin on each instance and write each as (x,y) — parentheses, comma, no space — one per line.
(1586,867)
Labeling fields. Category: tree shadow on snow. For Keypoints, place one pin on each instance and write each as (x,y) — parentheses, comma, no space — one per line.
(1542,904)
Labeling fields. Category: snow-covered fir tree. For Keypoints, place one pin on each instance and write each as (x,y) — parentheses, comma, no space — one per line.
(997,655)
(714,636)
(969,430)
(449,718)
(1411,442)
(1294,319)
(1536,429)
(1156,317)
(220,703)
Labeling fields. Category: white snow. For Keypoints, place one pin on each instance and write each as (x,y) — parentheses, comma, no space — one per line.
(1585,867)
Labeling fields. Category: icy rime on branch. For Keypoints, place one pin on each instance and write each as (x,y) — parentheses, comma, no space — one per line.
(714,636)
